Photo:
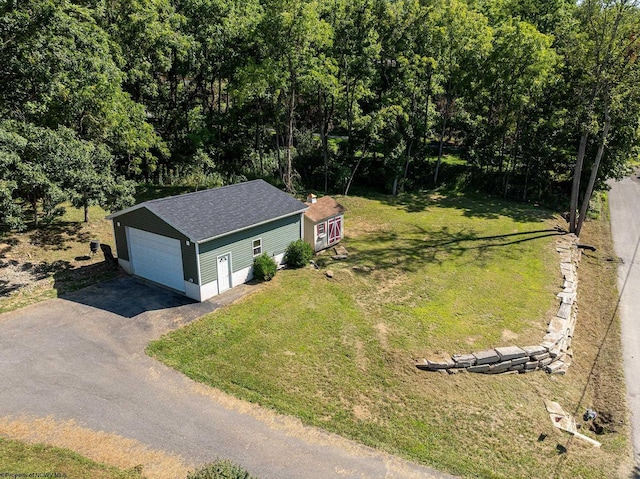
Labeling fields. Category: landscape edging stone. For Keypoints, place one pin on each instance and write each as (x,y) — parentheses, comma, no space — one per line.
(554,352)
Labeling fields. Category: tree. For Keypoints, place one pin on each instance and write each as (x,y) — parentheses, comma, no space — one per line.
(295,38)
(11,215)
(607,73)
(90,178)
(463,40)
(60,68)
(44,167)
(356,49)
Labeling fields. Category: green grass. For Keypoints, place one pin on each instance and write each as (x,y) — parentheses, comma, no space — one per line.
(55,258)
(445,274)
(449,159)
(23,459)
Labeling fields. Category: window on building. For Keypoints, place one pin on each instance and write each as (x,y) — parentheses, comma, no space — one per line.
(257,247)
(320,229)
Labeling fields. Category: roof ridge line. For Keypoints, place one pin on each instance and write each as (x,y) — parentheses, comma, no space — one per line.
(158,200)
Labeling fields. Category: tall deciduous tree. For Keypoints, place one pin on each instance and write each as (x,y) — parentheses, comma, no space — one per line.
(296,39)
(60,68)
(43,168)
(463,41)
(607,54)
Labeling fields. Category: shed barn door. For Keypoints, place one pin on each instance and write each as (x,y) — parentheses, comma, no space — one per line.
(156,258)
(335,229)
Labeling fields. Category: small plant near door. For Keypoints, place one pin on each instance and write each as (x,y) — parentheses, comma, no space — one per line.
(298,254)
(264,267)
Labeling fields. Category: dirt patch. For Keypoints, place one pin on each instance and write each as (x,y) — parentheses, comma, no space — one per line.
(361,358)
(26,277)
(52,260)
(508,336)
(17,276)
(471,340)
(101,447)
(361,412)
(382,333)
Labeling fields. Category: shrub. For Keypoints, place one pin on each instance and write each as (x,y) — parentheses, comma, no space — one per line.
(264,267)
(298,254)
(220,469)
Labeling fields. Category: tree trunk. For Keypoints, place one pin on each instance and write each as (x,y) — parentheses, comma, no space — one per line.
(34,205)
(594,172)
(440,148)
(325,156)
(85,205)
(353,174)
(575,188)
(406,163)
(355,169)
(426,113)
(325,120)
(288,180)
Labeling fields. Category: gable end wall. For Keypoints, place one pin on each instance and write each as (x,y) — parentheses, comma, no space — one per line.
(145,220)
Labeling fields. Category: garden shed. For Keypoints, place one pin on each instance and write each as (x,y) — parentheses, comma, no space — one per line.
(323,222)
(203,243)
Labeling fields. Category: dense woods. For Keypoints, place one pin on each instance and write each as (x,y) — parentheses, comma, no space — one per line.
(540,99)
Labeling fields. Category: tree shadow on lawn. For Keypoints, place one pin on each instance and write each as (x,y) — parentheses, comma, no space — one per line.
(66,277)
(20,275)
(473,205)
(56,235)
(410,254)
(7,244)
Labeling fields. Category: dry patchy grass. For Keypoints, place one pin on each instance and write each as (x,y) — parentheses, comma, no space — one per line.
(109,449)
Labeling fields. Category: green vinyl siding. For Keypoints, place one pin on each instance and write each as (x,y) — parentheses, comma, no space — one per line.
(121,240)
(275,236)
(145,220)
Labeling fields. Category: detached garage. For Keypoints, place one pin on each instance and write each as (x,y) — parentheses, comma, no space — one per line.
(203,243)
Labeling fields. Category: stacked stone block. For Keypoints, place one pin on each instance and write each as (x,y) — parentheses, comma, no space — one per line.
(552,355)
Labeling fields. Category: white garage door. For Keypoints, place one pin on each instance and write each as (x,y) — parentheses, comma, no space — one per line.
(156,257)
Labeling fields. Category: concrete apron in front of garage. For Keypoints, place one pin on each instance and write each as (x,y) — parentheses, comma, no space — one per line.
(82,357)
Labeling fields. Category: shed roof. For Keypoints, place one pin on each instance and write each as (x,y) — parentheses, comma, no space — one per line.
(323,208)
(208,214)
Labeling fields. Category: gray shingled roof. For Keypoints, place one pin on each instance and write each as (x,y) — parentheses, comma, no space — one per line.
(211,213)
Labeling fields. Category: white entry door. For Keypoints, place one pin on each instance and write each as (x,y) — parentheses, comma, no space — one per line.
(224,272)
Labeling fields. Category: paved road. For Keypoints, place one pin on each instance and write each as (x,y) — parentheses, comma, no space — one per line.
(624,201)
(83,358)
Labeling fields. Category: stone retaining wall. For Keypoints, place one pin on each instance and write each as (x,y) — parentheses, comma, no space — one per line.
(552,355)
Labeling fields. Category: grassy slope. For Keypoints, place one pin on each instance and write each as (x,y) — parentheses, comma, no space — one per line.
(20,458)
(451,275)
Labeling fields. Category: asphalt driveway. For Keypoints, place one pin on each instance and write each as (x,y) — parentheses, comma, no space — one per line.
(624,198)
(82,357)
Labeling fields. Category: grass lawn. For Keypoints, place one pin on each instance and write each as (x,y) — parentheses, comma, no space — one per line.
(426,274)
(23,459)
(54,259)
